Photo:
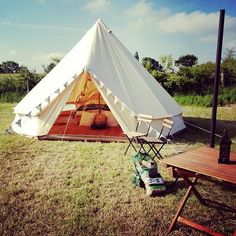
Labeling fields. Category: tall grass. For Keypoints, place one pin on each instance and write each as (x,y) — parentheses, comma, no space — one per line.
(196,100)
(12,87)
(226,96)
(10,97)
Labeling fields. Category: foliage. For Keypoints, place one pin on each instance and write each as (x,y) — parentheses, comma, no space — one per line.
(151,64)
(51,65)
(229,68)
(226,96)
(11,97)
(12,83)
(187,60)
(196,100)
(14,86)
(9,67)
(31,77)
(190,79)
(160,76)
(194,80)
(177,84)
(167,62)
(202,76)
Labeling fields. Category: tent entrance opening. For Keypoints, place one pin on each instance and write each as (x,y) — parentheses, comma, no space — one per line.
(86,113)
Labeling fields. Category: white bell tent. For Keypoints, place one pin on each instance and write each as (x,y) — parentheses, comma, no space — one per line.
(99,76)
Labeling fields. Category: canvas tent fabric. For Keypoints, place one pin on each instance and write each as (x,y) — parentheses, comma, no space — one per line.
(123,83)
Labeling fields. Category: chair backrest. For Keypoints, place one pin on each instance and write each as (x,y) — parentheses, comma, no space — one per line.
(166,128)
(147,119)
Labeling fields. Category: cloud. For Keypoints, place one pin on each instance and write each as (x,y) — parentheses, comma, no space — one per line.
(144,15)
(141,9)
(33,60)
(12,52)
(190,23)
(208,38)
(38,59)
(230,25)
(37,26)
(153,31)
(231,44)
(41,1)
(46,57)
(97,5)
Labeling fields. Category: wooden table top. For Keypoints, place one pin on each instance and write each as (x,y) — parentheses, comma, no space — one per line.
(204,160)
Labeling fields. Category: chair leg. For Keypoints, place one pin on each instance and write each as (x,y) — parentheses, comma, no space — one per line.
(155,151)
(150,148)
(161,147)
(141,146)
(130,144)
(158,151)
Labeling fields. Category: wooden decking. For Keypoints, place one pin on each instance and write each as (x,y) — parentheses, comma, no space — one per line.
(88,138)
(72,131)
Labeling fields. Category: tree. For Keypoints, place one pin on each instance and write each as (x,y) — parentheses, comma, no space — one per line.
(31,78)
(167,62)
(229,54)
(187,60)
(161,77)
(10,67)
(202,75)
(151,64)
(51,65)
(229,68)
(1,69)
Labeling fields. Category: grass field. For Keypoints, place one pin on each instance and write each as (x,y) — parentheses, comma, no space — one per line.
(81,188)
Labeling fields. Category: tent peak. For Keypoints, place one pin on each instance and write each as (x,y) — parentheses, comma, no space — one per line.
(100,23)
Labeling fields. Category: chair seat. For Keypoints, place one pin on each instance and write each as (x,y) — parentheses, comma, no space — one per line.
(135,134)
(153,140)
(160,141)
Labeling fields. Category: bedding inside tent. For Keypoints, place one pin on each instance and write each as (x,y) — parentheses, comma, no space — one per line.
(86,113)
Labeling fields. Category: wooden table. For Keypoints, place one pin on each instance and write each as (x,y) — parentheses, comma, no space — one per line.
(200,162)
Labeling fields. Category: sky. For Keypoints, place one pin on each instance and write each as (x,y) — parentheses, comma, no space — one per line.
(34,31)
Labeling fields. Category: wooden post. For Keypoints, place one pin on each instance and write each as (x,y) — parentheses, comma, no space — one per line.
(217,76)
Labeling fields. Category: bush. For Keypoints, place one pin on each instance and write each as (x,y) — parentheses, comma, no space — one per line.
(15,86)
(228,95)
(11,97)
(201,101)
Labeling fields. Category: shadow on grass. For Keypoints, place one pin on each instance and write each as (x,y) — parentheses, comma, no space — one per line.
(198,130)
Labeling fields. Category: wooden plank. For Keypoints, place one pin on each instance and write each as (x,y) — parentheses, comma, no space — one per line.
(175,174)
(105,139)
(182,204)
(198,226)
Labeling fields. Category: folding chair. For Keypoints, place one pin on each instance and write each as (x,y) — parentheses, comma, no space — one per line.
(161,140)
(133,136)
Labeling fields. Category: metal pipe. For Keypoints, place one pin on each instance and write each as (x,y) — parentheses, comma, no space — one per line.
(217,76)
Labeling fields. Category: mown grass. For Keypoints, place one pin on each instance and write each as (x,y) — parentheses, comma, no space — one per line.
(81,188)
